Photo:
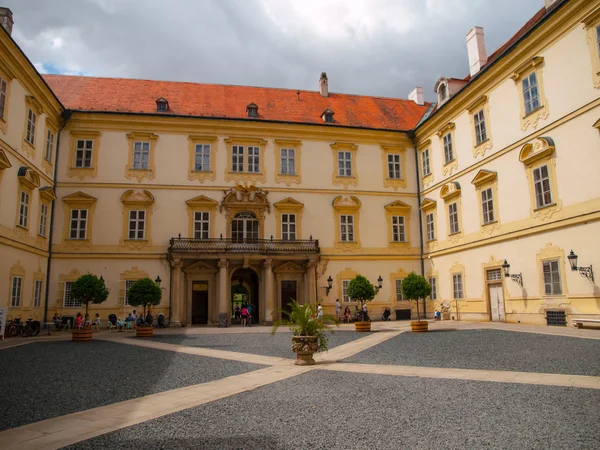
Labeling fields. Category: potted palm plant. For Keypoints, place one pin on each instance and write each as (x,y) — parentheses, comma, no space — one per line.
(361,290)
(309,334)
(87,289)
(146,293)
(415,287)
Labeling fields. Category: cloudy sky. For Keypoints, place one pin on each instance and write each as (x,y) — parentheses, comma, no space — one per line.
(374,47)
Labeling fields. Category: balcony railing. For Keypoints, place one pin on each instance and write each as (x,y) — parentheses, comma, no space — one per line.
(228,245)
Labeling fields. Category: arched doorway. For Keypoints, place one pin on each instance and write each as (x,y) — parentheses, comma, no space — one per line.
(244,227)
(244,292)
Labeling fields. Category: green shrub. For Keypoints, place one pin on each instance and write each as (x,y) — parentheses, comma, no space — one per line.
(144,292)
(415,287)
(360,289)
(88,289)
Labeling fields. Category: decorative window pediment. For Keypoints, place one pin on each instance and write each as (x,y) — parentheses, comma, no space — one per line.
(79,198)
(133,198)
(288,203)
(484,177)
(428,203)
(527,67)
(202,202)
(4,162)
(397,206)
(346,203)
(450,126)
(450,190)
(532,152)
(47,193)
(28,177)
(289,267)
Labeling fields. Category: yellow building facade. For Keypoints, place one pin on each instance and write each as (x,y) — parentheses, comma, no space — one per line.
(291,194)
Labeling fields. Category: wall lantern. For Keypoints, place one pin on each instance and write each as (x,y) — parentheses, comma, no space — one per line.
(158,280)
(379,284)
(329,285)
(583,271)
(516,277)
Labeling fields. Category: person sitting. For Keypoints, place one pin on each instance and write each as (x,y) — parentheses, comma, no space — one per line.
(79,320)
(386,314)
(437,315)
(140,321)
(129,318)
(56,320)
(112,320)
(149,319)
(161,320)
(86,321)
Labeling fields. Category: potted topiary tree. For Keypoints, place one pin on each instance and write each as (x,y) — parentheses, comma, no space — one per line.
(361,290)
(87,289)
(309,334)
(144,292)
(415,287)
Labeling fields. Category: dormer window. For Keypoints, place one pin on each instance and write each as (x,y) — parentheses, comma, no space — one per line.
(442,92)
(162,105)
(252,110)
(327,116)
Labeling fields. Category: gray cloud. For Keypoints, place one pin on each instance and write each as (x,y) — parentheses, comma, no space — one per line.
(262,43)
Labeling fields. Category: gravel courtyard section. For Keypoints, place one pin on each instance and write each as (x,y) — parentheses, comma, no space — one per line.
(49,379)
(488,350)
(279,345)
(329,410)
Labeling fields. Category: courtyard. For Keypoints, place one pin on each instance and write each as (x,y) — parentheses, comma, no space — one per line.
(462,385)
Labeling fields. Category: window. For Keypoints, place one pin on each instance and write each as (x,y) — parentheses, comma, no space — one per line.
(433,283)
(345,298)
(162,105)
(254,159)
(245,227)
(453,217)
(30,133)
(394,167)
(442,92)
(237,158)
(201,225)
(328,117)
(494,275)
(128,284)
(457,283)
(202,158)
(399,296)
(344,164)
(252,111)
(15,295)
(541,181)
(347,228)
(398,234)
(552,285)
(49,145)
(24,209)
(288,161)
(288,227)
(430,227)
(448,152)
(597,39)
(487,205)
(78,224)
(3,86)
(141,155)
(530,93)
(68,300)
(83,155)
(425,162)
(43,219)
(137,224)
(37,293)
(480,130)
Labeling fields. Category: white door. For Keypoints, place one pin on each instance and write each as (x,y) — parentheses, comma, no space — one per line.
(496,302)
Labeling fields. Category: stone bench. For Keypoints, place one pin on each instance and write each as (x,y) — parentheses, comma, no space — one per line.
(579,322)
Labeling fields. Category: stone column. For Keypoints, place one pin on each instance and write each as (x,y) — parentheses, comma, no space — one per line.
(224,303)
(269,291)
(177,297)
(310,282)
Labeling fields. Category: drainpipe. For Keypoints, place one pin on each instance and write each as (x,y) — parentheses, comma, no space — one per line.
(67,113)
(412,137)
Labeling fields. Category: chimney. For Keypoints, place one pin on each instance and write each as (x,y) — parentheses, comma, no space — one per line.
(476,50)
(416,95)
(323,85)
(6,19)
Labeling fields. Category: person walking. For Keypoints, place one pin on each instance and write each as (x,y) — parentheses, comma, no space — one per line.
(244,315)
(319,312)
(338,309)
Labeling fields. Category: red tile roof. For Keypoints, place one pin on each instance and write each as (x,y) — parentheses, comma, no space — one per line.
(220,101)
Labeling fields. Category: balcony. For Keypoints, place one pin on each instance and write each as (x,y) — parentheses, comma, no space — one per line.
(228,245)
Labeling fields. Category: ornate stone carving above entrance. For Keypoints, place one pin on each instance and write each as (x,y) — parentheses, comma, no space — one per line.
(245,197)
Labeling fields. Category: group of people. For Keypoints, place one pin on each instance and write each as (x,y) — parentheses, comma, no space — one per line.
(80,321)
(84,321)
(244,314)
(348,316)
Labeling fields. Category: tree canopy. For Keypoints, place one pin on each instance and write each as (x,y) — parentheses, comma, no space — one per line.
(361,289)
(144,292)
(88,289)
(415,287)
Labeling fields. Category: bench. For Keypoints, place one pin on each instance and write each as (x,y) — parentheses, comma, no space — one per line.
(579,322)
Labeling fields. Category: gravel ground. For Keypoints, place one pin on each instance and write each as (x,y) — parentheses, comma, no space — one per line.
(488,350)
(317,411)
(279,344)
(48,379)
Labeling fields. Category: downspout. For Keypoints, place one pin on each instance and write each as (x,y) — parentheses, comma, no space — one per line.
(67,113)
(412,137)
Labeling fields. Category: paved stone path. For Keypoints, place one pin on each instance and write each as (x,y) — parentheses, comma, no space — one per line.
(69,429)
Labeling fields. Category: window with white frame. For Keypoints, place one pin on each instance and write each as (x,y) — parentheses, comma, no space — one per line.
(457,286)
(202,158)
(345,297)
(141,155)
(399,296)
(425,162)
(433,283)
(23,209)
(78,224)
(254,159)
(30,134)
(552,284)
(345,164)
(531,93)
(43,219)
(201,225)
(15,293)
(453,217)
(480,131)
(541,182)
(83,153)
(68,300)
(288,161)
(398,234)
(394,167)
(430,226)
(347,228)
(3,87)
(448,150)
(128,284)
(487,205)
(49,145)
(137,224)
(288,227)
(37,293)
(237,158)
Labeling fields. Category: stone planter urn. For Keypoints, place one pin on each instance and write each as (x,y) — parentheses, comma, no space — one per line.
(421,326)
(362,327)
(81,334)
(304,347)
(144,331)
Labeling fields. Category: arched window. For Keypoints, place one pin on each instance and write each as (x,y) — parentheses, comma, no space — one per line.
(244,227)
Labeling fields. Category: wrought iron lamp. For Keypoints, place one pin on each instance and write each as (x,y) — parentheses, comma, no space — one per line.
(379,284)
(583,271)
(516,277)
(158,280)
(329,285)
